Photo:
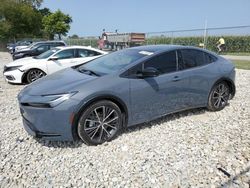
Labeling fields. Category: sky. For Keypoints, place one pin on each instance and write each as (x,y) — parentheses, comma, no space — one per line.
(90,17)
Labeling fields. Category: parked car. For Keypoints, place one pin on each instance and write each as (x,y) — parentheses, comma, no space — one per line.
(25,47)
(27,70)
(33,45)
(37,49)
(97,100)
(12,46)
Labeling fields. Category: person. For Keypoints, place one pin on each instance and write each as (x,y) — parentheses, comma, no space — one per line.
(221,44)
(104,37)
(100,43)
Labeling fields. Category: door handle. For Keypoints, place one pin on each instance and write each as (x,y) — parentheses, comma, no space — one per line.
(176,79)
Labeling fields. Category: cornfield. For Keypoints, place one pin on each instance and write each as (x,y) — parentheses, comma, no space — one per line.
(233,43)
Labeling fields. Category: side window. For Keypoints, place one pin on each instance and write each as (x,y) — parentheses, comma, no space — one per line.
(93,53)
(87,53)
(210,58)
(58,44)
(43,48)
(164,63)
(65,54)
(134,70)
(192,58)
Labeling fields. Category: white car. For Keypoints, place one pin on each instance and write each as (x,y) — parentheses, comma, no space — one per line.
(27,70)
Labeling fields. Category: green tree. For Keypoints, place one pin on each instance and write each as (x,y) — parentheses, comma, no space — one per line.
(34,3)
(19,20)
(57,23)
(44,12)
(74,36)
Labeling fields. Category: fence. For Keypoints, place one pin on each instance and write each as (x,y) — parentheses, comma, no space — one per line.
(237,38)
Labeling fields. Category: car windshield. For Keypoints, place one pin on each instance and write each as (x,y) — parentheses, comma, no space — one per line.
(112,62)
(47,54)
(30,45)
(33,45)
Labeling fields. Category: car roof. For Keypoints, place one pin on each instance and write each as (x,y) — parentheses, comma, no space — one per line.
(163,47)
(81,47)
(52,41)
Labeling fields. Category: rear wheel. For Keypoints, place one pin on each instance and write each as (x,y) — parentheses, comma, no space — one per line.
(100,122)
(34,74)
(219,96)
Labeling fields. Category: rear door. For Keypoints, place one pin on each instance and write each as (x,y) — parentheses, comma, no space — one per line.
(197,67)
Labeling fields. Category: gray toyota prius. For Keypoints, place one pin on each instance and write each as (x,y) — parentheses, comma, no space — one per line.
(97,100)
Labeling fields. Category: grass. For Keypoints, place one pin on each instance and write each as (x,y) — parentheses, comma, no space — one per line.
(240,64)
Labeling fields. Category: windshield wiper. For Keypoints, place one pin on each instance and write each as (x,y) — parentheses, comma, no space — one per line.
(86,71)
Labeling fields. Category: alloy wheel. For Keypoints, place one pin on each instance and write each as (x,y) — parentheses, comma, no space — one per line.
(101,123)
(220,96)
(34,75)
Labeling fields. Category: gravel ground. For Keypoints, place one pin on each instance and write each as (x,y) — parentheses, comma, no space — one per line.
(194,148)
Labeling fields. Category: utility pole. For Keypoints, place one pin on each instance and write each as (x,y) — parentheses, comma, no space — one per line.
(205,35)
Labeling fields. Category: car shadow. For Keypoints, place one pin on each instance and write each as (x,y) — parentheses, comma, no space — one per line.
(59,144)
(170,117)
(17,84)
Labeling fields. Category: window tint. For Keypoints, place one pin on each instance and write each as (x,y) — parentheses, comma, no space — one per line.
(164,63)
(65,54)
(192,58)
(43,48)
(86,53)
(46,54)
(134,70)
(210,58)
(55,44)
(113,62)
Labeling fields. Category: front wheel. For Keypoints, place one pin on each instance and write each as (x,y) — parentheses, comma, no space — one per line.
(218,97)
(100,122)
(34,74)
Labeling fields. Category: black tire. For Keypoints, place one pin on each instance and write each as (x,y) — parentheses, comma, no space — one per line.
(34,74)
(219,96)
(100,122)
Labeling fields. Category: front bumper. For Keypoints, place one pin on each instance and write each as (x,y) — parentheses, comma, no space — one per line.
(49,123)
(14,76)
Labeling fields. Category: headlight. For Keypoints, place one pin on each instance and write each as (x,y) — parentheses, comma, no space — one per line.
(50,101)
(57,99)
(11,68)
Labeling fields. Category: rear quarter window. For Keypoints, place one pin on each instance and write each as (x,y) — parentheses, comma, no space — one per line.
(190,58)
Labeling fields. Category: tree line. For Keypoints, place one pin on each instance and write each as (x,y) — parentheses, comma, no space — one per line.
(25,19)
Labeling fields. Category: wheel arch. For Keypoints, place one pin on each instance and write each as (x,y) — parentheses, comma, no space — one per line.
(230,84)
(119,102)
(24,76)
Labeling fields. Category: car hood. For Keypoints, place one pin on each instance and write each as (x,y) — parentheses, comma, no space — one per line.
(23,61)
(63,81)
(22,49)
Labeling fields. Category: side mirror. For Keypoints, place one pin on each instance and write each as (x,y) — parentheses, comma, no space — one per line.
(54,58)
(148,72)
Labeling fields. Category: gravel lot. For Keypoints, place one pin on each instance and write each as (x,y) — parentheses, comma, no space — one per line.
(194,148)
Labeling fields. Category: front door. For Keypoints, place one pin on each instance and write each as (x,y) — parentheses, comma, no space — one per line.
(157,96)
(65,58)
